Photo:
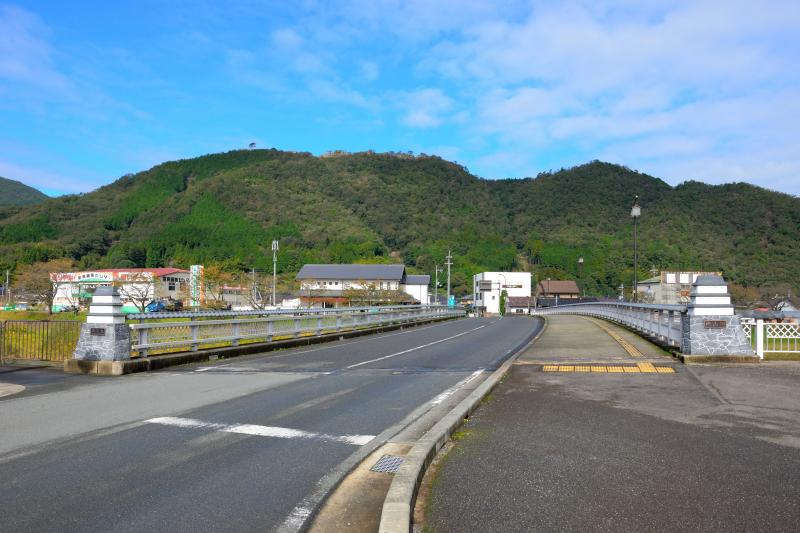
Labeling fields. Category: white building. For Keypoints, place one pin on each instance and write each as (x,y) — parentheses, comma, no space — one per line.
(669,287)
(335,285)
(489,285)
(136,285)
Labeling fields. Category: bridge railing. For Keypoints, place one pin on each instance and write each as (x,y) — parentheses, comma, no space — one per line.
(187,331)
(663,322)
(772,337)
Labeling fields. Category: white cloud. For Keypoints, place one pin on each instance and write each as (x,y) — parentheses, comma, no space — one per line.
(641,83)
(425,108)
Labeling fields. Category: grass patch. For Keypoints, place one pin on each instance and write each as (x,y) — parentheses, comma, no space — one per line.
(41,315)
(777,356)
(460,435)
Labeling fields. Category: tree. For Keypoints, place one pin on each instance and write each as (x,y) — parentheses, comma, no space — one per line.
(138,288)
(216,278)
(503,298)
(41,281)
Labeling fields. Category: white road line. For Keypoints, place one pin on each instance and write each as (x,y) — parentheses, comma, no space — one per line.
(452,390)
(259,431)
(328,347)
(413,349)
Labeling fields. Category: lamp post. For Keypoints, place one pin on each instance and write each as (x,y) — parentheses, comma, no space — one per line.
(274,268)
(636,212)
(448,262)
(436,269)
(580,273)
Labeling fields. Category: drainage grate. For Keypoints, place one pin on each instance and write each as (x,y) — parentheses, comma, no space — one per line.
(388,464)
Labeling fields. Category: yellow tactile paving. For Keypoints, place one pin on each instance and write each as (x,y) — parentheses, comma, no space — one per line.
(646,367)
(640,368)
(632,350)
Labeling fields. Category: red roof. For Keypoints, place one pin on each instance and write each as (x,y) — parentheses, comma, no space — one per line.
(158,272)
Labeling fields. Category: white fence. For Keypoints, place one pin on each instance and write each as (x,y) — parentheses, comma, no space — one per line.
(770,337)
(194,331)
(662,322)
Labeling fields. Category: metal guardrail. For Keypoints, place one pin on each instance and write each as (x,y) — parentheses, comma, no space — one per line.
(663,322)
(271,312)
(202,331)
(38,340)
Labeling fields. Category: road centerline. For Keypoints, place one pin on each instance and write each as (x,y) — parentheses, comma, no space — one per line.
(414,349)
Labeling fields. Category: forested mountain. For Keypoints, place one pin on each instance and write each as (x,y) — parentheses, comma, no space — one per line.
(16,193)
(396,207)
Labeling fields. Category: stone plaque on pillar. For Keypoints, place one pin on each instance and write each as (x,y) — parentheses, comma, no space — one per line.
(711,329)
(105,336)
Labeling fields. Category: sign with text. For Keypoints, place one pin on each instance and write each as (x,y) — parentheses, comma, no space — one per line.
(715,324)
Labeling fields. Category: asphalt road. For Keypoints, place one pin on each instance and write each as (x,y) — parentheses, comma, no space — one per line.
(242,445)
(706,448)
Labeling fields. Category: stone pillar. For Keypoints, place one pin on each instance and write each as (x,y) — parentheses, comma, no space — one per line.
(105,336)
(710,330)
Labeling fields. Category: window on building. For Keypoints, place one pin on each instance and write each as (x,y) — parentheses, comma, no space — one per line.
(171,287)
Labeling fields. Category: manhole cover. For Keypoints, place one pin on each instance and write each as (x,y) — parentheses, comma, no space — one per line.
(388,464)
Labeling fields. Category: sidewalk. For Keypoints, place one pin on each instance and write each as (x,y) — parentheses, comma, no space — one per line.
(709,448)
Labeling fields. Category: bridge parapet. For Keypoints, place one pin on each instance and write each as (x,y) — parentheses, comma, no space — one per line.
(704,330)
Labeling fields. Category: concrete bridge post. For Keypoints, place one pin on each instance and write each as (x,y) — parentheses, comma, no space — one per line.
(710,329)
(105,337)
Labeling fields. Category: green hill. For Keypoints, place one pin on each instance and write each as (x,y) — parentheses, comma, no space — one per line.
(393,207)
(13,193)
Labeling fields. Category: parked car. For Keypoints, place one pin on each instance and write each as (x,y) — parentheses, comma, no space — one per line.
(69,309)
(161,306)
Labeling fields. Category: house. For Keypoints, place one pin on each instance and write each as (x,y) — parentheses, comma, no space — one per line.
(330,285)
(137,286)
(518,305)
(488,286)
(552,292)
(669,287)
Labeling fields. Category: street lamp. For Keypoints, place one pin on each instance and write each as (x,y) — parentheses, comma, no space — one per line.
(636,212)
(275,247)
(437,269)
(580,272)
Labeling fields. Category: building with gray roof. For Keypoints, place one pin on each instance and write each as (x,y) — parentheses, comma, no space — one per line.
(333,285)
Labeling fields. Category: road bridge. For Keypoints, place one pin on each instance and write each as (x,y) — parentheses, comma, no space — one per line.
(247,444)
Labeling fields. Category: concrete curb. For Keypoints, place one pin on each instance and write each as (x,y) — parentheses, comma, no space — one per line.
(156,362)
(398,506)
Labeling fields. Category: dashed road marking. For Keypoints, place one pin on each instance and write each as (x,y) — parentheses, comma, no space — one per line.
(415,348)
(259,431)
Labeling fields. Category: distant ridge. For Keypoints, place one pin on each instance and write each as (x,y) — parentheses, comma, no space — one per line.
(411,208)
(17,193)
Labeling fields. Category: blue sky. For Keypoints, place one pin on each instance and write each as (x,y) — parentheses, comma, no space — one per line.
(92,90)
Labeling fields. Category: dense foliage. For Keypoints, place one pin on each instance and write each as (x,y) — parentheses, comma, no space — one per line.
(15,193)
(369,207)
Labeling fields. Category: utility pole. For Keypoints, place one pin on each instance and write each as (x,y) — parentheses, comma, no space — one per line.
(6,291)
(274,267)
(448,263)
